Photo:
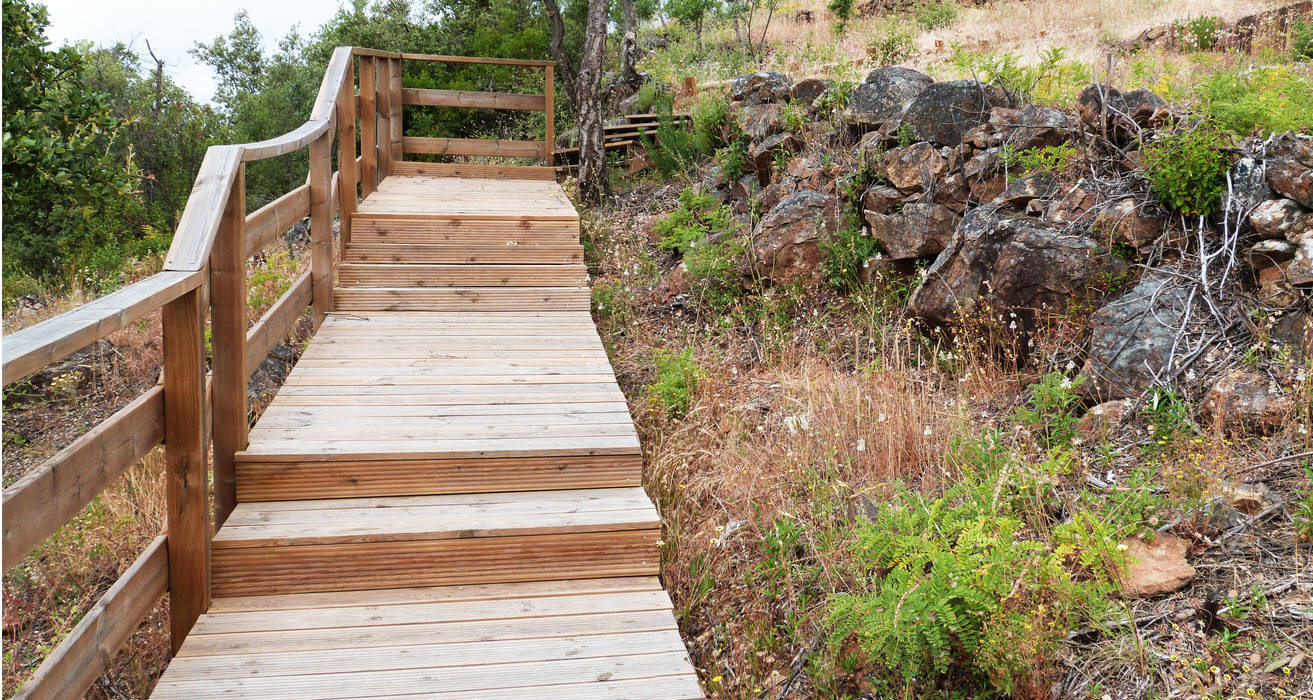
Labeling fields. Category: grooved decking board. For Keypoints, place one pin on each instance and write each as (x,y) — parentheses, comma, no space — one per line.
(583,638)
(466,230)
(461,298)
(425,275)
(467,254)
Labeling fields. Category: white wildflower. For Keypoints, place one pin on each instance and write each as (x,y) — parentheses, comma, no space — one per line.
(880,418)
(861,445)
(927,431)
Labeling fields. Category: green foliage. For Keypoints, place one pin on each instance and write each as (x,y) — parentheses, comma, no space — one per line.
(843,12)
(1168,415)
(1053,79)
(1050,160)
(794,117)
(1051,411)
(677,379)
(1301,40)
(1198,33)
(891,42)
(1267,99)
(697,216)
(62,175)
(1186,169)
(846,250)
(935,14)
(680,149)
(733,159)
(1302,512)
(955,585)
(691,13)
(715,270)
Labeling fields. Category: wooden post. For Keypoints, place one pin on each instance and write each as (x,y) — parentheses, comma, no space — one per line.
(346,155)
(187,483)
(228,338)
(690,86)
(394,98)
(321,222)
(368,128)
(383,98)
(549,97)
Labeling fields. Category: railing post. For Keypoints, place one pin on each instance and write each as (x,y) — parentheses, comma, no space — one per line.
(228,338)
(187,483)
(549,97)
(394,99)
(346,156)
(383,86)
(321,222)
(368,128)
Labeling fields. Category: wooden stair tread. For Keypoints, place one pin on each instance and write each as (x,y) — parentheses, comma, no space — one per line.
(466,254)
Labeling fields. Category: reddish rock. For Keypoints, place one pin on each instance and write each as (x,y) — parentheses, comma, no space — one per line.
(914,168)
(879,199)
(1073,204)
(916,231)
(1022,191)
(943,112)
(1290,167)
(765,152)
(1102,419)
(806,91)
(1270,253)
(1154,568)
(784,246)
(1246,400)
(675,284)
(761,121)
(762,87)
(1281,218)
(1136,224)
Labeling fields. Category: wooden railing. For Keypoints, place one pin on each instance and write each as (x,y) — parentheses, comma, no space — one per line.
(193,413)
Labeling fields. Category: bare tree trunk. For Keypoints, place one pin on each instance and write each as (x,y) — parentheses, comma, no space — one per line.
(629,45)
(564,66)
(594,182)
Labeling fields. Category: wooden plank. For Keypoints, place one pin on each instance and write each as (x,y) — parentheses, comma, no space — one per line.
(361,478)
(463,230)
(374,53)
(474,147)
(228,343)
(397,127)
(187,491)
(322,113)
(470,298)
(27,350)
(368,127)
(321,234)
(549,106)
(346,155)
(469,254)
(478,100)
(84,654)
(382,88)
(339,567)
(477,59)
(265,225)
(300,451)
(419,275)
(277,322)
(199,223)
(510,172)
(45,498)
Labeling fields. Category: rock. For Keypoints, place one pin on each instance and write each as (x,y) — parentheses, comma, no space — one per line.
(1299,271)
(1009,263)
(744,192)
(879,199)
(1092,102)
(1131,338)
(914,168)
(984,175)
(712,180)
(70,377)
(1073,204)
(881,98)
(1032,126)
(1265,254)
(1137,225)
(806,91)
(881,267)
(1290,168)
(916,231)
(943,112)
(1248,185)
(1154,568)
(1021,191)
(1104,108)
(1293,331)
(1281,218)
(763,87)
(761,121)
(808,173)
(784,246)
(764,153)
(953,192)
(1102,419)
(1147,109)
(671,287)
(1249,499)
(1246,400)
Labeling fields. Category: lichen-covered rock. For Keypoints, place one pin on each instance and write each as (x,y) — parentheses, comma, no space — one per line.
(1269,253)
(785,246)
(915,231)
(943,112)
(1073,204)
(1248,185)
(1243,399)
(914,168)
(1290,167)
(881,98)
(805,91)
(1137,224)
(1031,126)
(1011,263)
(761,121)
(984,175)
(1132,339)
(1105,109)
(1022,190)
(1281,218)
(762,87)
(765,153)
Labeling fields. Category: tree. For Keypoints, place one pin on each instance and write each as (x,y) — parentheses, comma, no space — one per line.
(584,90)
(63,179)
(691,13)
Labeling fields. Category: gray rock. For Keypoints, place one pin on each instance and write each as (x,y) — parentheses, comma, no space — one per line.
(763,87)
(1281,218)
(943,112)
(1248,185)
(806,91)
(881,98)
(761,121)
(915,231)
(1022,190)
(1132,338)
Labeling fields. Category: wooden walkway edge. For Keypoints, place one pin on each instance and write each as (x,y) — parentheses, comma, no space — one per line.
(444,499)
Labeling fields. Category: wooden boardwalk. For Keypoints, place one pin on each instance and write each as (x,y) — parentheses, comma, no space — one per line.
(444,498)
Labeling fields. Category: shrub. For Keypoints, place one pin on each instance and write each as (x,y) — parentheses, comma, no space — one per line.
(1052,79)
(936,14)
(1198,33)
(1052,409)
(715,270)
(1186,169)
(1263,99)
(677,378)
(733,159)
(1050,160)
(846,250)
(794,117)
(1301,40)
(843,11)
(891,42)
(697,216)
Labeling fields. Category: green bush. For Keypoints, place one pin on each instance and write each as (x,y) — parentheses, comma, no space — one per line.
(1199,33)
(935,14)
(698,216)
(733,159)
(1053,79)
(1186,169)
(715,271)
(843,11)
(677,378)
(1301,40)
(891,43)
(1052,409)
(1050,160)
(1263,99)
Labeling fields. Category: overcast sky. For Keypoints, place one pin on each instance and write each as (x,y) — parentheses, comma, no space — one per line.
(174,26)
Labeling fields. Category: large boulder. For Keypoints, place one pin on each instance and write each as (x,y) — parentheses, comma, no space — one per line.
(880,199)
(915,231)
(1281,218)
(943,112)
(1132,338)
(805,91)
(760,121)
(881,98)
(785,245)
(765,152)
(1290,167)
(1031,126)
(914,168)
(1009,263)
(763,87)
(1137,224)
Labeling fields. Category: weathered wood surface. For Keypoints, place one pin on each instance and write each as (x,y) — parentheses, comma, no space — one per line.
(475,147)
(466,98)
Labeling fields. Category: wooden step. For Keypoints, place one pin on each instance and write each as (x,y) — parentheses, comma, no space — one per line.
(462,299)
(460,275)
(364,543)
(466,253)
(580,639)
(463,230)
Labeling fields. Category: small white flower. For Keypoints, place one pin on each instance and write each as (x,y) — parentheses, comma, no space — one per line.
(1070,366)
(1013,325)
(1066,383)
(861,445)
(927,431)
(880,418)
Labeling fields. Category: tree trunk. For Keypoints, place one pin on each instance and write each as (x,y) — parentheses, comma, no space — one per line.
(564,66)
(594,183)
(629,45)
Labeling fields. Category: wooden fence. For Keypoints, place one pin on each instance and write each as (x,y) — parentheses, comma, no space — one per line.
(199,414)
